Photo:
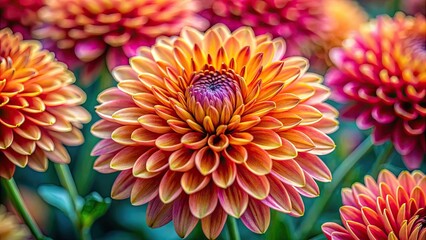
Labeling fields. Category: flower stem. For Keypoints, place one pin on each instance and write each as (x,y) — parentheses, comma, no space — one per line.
(233,228)
(381,159)
(68,183)
(16,199)
(339,174)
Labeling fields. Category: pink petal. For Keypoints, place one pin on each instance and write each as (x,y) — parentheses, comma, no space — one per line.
(256,217)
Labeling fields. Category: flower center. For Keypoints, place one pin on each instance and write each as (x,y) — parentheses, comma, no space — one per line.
(213,87)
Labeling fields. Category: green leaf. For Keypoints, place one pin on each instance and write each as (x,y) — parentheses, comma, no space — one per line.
(94,207)
(58,197)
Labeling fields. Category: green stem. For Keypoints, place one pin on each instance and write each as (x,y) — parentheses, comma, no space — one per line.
(339,174)
(381,159)
(395,6)
(18,203)
(233,228)
(67,181)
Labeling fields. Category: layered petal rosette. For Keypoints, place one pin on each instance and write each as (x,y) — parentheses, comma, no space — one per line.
(391,208)
(202,126)
(20,15)
(301,22)
(39,106)
(380,73)
(90,30)
(10,228)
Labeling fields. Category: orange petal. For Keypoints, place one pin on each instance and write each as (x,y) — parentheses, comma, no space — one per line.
(182,160)
(126,158)
(158,161)
(192,181)
(258,161)
(123,135)
(128,115)
(170,187)
(278,197)
(299,139)
(103,128)
(183,220)
(225,174)
(235,153)
(194,140)
(16,158)
(310,189)
(169,142)
(256,186)
(213,224)
(144,137)
(285,152)
(28,131)
(144,190)
(139,168)
(103,147)
(234,200)
(314,166)
(266,139)
(323,143)
(218,143)
(123,185)
(289,172)
(203,203)
(256,217)
(206,160)
(298,208)
(7,137)
(154,123)
(240,138)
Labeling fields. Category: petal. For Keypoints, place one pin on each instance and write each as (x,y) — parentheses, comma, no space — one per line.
(225,174)
(203,203)
(234,200)
(144,190)
(206,160)
(183,220)
(158,214)
(278,197)
(289,172)
(169,142)
(266,139)
(123,184)
(256,217)
(235,153)
(182,160)
(256,186)
(213,224)
(258,161)
(170,187)
(314,166)
(192,181)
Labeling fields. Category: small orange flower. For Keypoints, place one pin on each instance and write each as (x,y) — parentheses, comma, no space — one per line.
(391,208)
(39,106)
(10,228)
(203,126)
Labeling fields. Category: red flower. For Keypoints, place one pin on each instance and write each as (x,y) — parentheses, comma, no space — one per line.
(380,74)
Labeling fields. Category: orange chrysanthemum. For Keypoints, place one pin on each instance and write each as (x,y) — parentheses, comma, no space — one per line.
(391,208)
(206,125)
(10,228)
(380,73)
(345,16)
(39,106)
(92,30)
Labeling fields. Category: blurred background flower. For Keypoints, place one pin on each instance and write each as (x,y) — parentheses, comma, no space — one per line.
(302,23)
(345,16)
(414,7)
(20,15)
(39,106)
(10,228)
(391,208)
(208,125)
(380,74)
(85,32)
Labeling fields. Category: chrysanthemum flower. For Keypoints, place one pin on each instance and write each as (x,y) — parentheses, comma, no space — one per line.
(19,15)
(10,228)
(345,16)
(391,208)
(301,23)
(381,73)
(90,30)
(203,126)
(39,106)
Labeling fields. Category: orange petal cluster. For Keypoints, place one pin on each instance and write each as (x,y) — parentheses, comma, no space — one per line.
(391,208)
(206,125)
(380,74)
(39,106)
(11,229)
